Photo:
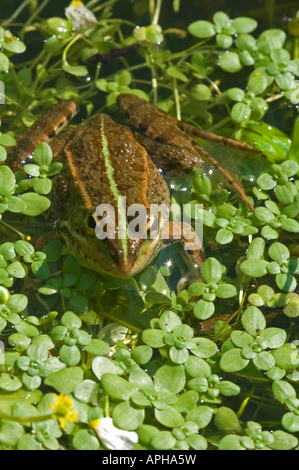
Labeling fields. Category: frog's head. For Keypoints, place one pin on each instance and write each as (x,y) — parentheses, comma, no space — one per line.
(105,166)
(121,258)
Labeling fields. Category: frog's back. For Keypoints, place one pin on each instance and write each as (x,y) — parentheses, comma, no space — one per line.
(104,161)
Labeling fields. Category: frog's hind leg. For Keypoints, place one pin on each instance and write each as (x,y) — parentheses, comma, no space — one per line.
(225,173)
(43,130)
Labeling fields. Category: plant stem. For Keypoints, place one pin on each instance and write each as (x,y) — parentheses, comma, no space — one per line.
(34,15)
(16,13)
(220,124)
(156,16)
(75,39)
(177,100)
(25,419)
(13,229)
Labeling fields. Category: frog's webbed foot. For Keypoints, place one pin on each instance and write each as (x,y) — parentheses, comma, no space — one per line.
(195,254)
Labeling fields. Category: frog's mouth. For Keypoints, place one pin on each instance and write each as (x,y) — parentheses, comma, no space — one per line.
(102,257)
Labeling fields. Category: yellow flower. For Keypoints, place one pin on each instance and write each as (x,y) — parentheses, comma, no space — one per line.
(63,410)
(76,4)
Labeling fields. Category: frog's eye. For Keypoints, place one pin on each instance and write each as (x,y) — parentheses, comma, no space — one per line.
(91,222)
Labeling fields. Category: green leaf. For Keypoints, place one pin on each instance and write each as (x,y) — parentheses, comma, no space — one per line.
(17,270)
(4,62)
(201,29)
(284,440)
(286,357)
(257,84)
(201,415)
(3,153)
(211,270)
(117,387)
(174,72)
(254,267)
(203,309)
(15,46)
(153,338)
(253,320)
(170,377)
(42,155)
(85,440)
(240,112)
(162,440)
(103,365)
(235,94)
(42,186)
(205,348)
(70,355)
(224,40)
(53,250)
(7,140)
(35,204)
(169,417)
(65,380)
(10,433)
(97,347)
(224,236)
(77,70)
(17,302)
(201,92)
(277,251)
(272,337)
(266,182)
(292,308)
(271,39)
(9,383)
(127,417)
(256,248)
(221,20)
(244,25)
(269,140)
(225,291)
(232,361)
(16,204)
(186,401)
(230,62)
(290,421)
(264,360)
(226,420)
(246,42)
(283,390)
(7,178)
(286,193)
(286,282)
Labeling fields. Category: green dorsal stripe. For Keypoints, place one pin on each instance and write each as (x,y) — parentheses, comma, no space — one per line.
(122,222)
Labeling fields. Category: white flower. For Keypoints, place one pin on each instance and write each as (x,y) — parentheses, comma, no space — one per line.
(80,17)
(114,438)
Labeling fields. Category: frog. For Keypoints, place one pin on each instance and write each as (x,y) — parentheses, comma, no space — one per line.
(103,161)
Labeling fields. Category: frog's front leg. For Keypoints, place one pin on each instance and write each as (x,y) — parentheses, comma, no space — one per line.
(184,232)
